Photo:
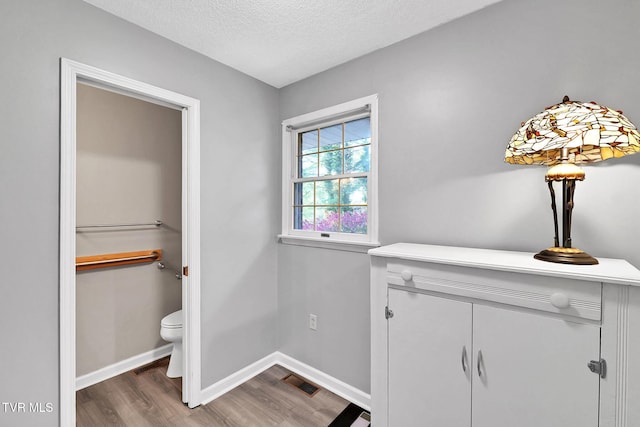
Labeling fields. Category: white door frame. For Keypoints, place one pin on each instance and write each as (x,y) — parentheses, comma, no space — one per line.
(70,73)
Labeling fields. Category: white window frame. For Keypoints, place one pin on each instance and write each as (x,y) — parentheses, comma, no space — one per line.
(291,128)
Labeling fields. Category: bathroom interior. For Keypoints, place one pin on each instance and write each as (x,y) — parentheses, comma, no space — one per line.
(128,200)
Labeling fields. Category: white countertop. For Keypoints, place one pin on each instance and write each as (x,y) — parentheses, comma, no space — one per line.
(616,271)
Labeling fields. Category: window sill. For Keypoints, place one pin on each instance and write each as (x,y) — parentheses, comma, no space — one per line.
(339,245)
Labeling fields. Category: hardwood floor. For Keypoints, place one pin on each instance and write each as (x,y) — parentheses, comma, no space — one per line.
(152,399)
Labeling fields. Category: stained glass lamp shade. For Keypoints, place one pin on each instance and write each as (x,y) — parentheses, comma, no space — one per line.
(563,136)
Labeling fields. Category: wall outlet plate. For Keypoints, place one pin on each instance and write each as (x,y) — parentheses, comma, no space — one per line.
(313,322)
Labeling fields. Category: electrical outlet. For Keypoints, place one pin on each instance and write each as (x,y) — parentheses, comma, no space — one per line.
(313,322)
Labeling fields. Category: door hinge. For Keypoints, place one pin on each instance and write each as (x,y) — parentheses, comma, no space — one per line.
(185,270)
(388,314)
(598,367)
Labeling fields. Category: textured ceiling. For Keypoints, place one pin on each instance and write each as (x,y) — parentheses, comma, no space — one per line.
(283,41)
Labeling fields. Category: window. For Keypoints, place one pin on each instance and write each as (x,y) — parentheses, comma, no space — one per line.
(330,176)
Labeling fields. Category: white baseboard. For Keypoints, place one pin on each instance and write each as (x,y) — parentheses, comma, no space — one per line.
(326,381)
(122,366)
(322,379)
(226,384)
(216,390)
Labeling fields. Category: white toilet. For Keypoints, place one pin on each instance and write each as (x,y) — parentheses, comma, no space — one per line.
(171,331)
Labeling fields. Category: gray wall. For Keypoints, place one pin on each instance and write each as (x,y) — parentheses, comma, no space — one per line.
(240,212)
(449,101)
(466,84)
(129,170)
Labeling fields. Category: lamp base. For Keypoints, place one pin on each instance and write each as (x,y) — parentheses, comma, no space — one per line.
(566,256)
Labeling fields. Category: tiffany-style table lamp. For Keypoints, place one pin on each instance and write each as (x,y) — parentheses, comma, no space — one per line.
(563,136)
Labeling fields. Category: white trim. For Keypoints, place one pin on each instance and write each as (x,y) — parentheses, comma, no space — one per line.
(326,381)
(70,73)
(191,380)
(622,362)
(123,366)
(290,128)
(68,80)
(341,245)
(322,379)
(379,353)
(614,349)
(232,381)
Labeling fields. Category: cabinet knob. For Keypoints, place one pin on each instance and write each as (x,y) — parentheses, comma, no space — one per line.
(559,300)
(406,275)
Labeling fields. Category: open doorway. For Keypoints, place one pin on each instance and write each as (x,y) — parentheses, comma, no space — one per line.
(128,206)
(73,73)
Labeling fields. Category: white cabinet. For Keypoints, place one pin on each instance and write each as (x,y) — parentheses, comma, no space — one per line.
(479,338)
(454,363)
(429,361)
(533,370)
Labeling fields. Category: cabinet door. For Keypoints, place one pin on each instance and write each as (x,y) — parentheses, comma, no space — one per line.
(533,370)
(429,382)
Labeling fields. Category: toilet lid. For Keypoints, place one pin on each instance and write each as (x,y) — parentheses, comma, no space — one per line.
(173,320)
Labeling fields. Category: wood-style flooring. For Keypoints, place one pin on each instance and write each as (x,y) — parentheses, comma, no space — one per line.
(152,399)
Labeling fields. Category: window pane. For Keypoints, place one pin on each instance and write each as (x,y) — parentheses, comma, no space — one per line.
(331,163)
(357,132)
(327,219)
(331,138)
(308,166)
(357,159)
(308,142)
(353,220)
(327,192)
(353,191)
(303,218)
(303,193)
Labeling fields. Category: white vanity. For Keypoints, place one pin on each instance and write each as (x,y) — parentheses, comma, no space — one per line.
(484,338)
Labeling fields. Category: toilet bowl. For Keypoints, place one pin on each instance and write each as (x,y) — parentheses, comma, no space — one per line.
(171,331)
